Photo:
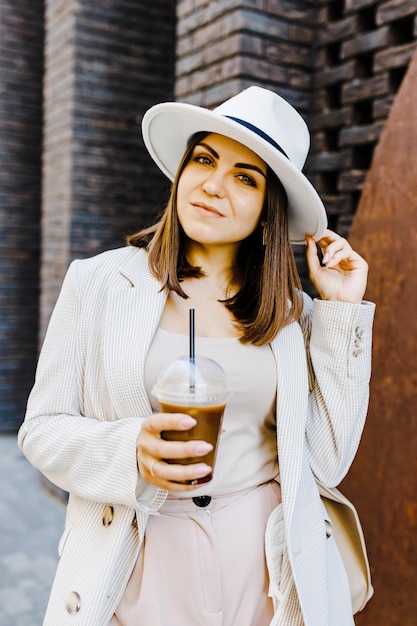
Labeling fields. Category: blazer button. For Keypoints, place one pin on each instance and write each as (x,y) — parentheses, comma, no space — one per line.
(329,528)
(73,603)
(108,515)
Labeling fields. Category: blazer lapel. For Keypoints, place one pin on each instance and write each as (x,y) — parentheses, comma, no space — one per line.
(132,316)
(292,397)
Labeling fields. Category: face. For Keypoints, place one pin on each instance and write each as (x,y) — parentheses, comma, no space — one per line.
(221,192)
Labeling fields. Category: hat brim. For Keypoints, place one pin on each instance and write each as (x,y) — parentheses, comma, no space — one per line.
(167,128)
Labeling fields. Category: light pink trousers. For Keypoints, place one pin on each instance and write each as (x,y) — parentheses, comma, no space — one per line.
(203,566)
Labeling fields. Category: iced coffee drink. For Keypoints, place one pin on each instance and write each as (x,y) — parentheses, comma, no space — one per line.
(198,389)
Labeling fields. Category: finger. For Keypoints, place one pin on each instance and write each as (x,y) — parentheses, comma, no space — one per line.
(336,252)
(177,477)
(151,468)
(328,237)
(171,445)
(157,422)
(312,256)
(156,450)
(182,449)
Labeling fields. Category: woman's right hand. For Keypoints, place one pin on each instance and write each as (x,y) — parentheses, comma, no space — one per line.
(151,449)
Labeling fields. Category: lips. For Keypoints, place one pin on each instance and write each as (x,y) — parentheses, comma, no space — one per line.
(206,208)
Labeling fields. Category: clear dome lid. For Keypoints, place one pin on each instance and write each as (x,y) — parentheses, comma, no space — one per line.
(192,381)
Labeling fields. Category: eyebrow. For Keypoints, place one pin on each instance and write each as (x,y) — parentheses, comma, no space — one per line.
(247,166)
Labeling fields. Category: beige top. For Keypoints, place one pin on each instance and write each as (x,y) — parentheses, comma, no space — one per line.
(247,453)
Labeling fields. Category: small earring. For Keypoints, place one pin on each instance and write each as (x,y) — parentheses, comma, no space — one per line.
(264,234)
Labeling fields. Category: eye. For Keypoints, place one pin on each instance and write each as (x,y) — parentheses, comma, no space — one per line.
(247,180)
(203,159)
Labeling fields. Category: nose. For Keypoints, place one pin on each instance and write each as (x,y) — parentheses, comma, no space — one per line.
(213,185)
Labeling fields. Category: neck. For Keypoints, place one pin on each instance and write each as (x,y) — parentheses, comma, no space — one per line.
(215,261)
(216,264)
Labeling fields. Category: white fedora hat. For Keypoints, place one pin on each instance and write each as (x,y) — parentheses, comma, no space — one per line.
(260,120)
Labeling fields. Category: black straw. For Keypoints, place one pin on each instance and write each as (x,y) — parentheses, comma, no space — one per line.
(192,350)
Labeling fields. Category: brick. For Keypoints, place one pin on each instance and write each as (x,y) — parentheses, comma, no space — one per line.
(357,5)
(351,180)
(333,118)
(183,7)
(359,89)
(264,25)
(338,74)
(381,107)
(337,31)
(345,225)
(329,161)
(284,53)
(375,40)
(292,11)
(337,204)
(395,10)
(394,56)
(356,135)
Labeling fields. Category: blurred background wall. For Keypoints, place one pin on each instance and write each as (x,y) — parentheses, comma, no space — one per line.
(75,79)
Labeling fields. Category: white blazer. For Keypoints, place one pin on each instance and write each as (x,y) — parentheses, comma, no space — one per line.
(85,410)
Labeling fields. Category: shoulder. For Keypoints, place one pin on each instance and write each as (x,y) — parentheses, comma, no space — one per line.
(109,259)
(109,267)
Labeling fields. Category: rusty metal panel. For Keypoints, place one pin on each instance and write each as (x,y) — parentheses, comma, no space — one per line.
(383,479)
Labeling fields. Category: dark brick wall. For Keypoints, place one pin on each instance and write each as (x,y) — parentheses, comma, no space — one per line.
(225,46)
(106,63)
(21,67)
(363,48)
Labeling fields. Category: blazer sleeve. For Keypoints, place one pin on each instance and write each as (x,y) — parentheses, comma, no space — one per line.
(93,459)
(338,337)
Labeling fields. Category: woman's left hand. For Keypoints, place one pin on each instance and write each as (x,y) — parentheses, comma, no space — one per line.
(342,274)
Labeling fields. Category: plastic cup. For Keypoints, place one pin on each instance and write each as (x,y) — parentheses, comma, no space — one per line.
(198,388)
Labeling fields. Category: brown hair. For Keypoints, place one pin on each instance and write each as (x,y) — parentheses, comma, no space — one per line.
(269,296)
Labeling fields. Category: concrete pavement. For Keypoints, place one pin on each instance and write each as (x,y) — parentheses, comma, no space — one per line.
(31,522)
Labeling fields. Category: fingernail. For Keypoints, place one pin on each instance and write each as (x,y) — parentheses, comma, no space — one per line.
(187,422)
(203,448)
(202,470)
(325,258)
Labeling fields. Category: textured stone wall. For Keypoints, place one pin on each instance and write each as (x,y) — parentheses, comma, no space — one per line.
(21,66)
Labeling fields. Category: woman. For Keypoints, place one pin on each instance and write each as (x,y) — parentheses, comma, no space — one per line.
(250,546)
